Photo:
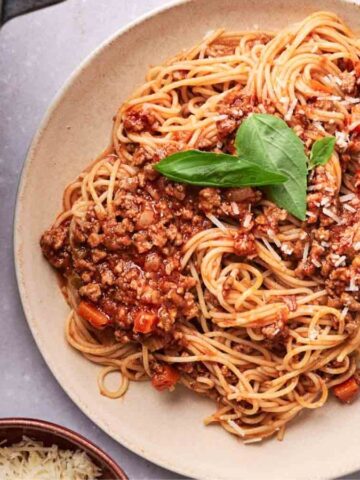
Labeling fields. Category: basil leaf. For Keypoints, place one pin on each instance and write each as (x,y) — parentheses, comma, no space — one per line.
(321,151)
(267,141)
(216,170)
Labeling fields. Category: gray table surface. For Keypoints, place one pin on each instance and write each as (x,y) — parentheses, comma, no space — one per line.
(38,52)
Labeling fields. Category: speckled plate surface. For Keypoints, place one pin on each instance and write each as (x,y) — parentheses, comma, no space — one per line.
(166,429)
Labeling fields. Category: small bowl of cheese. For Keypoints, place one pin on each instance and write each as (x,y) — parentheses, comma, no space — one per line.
(36,449)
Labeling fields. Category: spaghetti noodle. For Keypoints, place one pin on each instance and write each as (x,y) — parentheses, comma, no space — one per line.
(255,309)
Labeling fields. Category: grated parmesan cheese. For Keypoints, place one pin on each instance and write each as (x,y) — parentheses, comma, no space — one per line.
(342,140)
(247,220)
(319,126)
(316,263)
(30,460)
(352,286)
(346,198)
(235,208)
(349,208)
(340,261)
(350,101)
(332,215)
(356,246)
(325,201)
(286,249)
(306,251)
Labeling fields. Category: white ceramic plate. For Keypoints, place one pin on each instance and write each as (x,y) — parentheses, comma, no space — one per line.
(166,429)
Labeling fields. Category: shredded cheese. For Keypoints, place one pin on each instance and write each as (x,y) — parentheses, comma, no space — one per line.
(349,208)
(347,198)
(316,263)
(286,249)
(342,140)
(352,286)
(30,460)
(306,251)
(235,208)
(319,126)
(325,201)
(247,220)
(340,261)
(332,215)
(356,246)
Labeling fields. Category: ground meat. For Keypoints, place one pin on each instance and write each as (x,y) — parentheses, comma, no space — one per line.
(269,221)
(128,262)
(209,198)
(235,106)
(54,244)
(92,291)
(244,244)
(276,332)
(348,82)
(142,120)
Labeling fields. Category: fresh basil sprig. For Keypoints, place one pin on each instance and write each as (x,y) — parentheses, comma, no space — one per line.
(321,152)
(269,154)
(216,170)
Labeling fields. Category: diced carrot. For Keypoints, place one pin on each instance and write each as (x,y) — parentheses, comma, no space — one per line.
(166,378)
(347,390)
(92,315)
(145,322)
(320,87)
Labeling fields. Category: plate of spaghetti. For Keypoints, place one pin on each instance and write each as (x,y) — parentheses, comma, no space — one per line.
(210,255)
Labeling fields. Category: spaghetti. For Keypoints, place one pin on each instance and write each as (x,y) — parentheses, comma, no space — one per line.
(263,317)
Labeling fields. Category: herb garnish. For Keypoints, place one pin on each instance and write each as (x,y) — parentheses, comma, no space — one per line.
(216,170)
(269,154)
(321,151)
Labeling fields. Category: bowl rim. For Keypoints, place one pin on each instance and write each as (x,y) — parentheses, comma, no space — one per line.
(68,434)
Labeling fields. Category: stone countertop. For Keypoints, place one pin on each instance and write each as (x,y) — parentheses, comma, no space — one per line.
(38,52)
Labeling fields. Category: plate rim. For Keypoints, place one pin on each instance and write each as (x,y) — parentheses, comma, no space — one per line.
(345,468)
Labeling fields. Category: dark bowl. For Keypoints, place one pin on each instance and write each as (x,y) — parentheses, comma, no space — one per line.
(13,429)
